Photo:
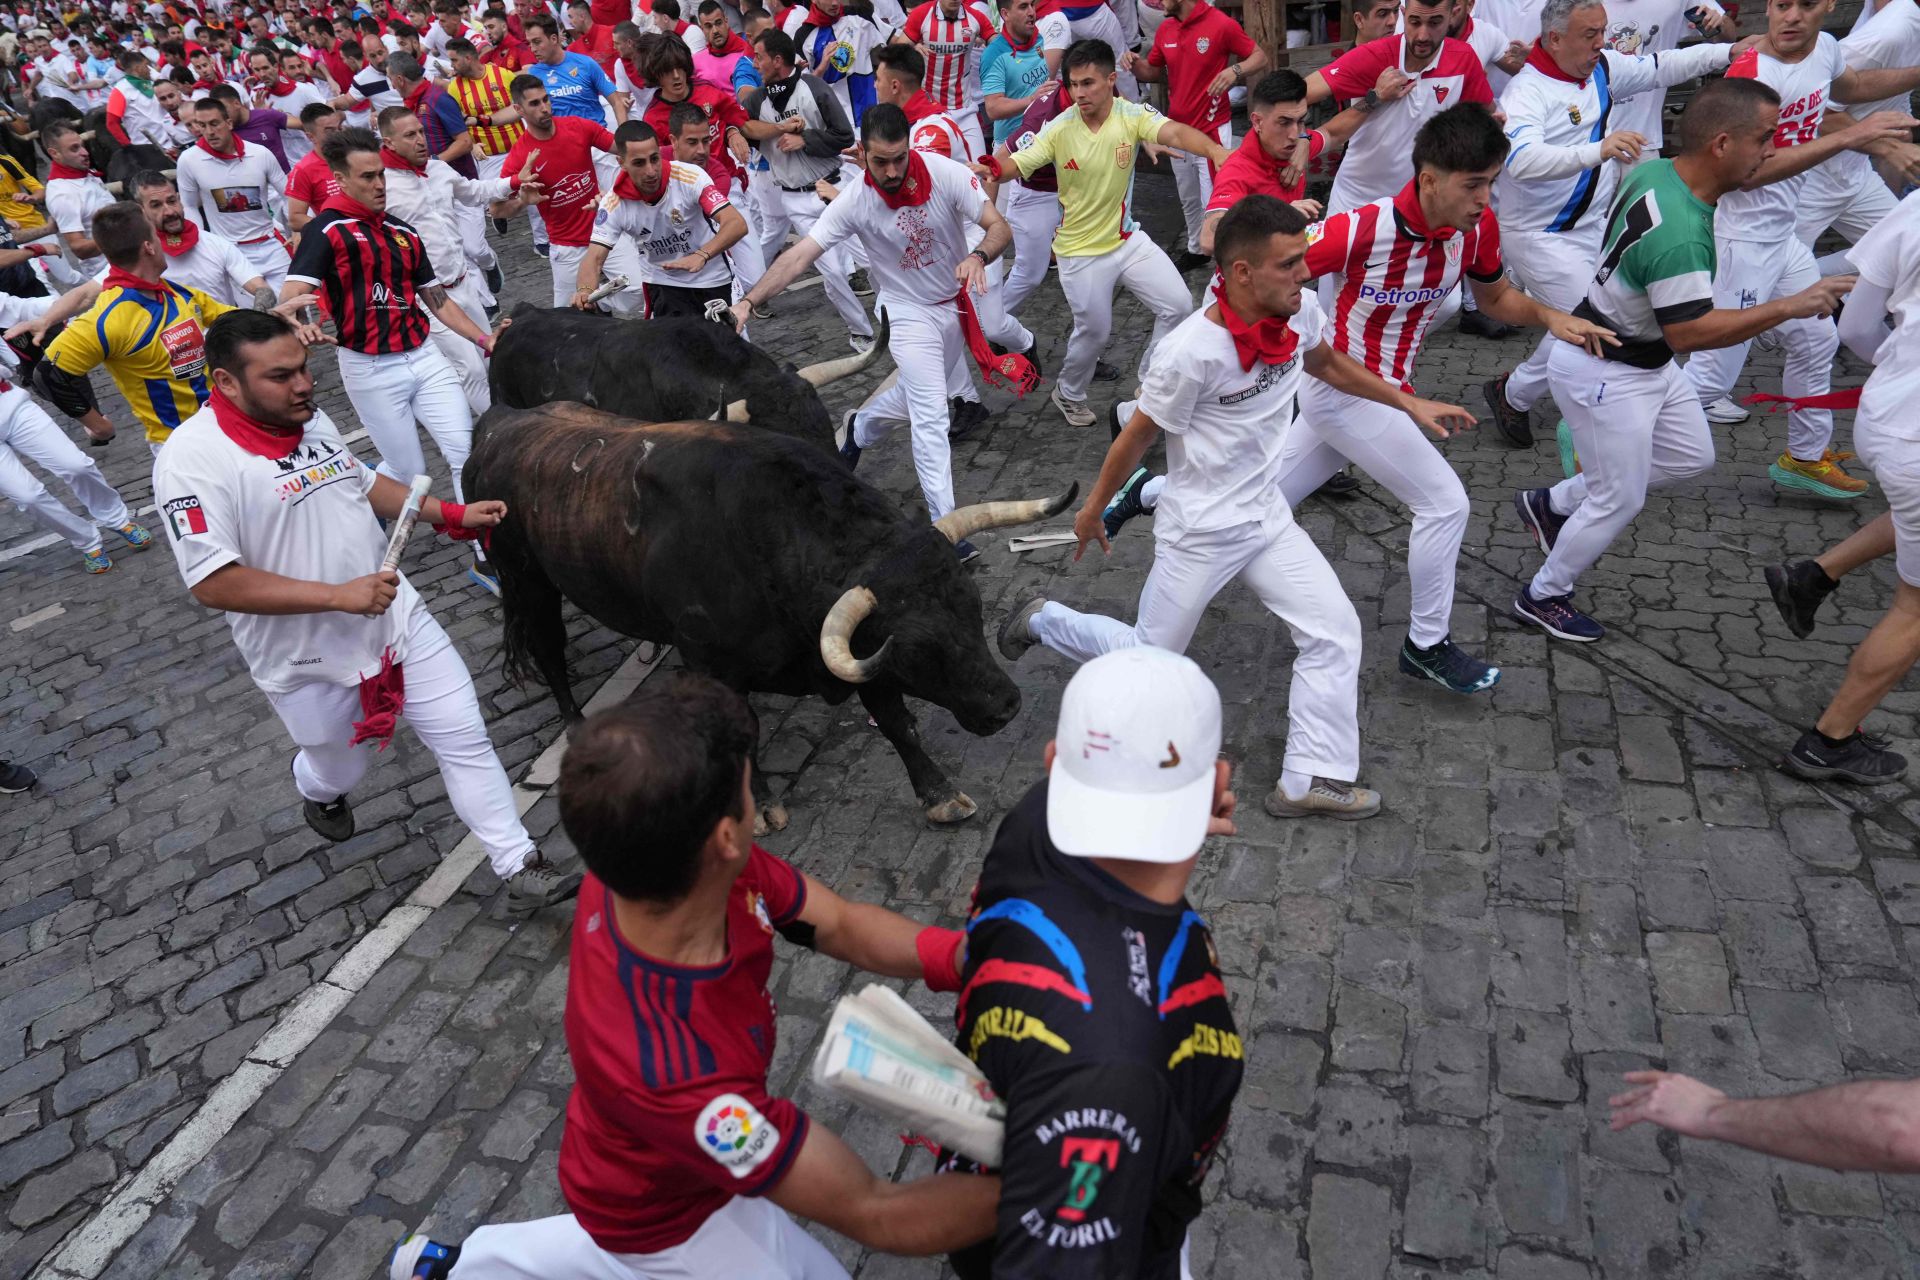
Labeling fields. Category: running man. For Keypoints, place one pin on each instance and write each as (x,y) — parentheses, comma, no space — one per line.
(1223,391)
(199,259)
(231,188)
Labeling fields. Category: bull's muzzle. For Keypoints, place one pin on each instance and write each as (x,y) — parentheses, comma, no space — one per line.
(836,637)
(964,522)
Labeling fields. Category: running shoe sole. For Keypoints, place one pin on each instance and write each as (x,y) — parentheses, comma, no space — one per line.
(1724,418)
(1780,584)
(1518,610)
(1277,805)
(1794,480)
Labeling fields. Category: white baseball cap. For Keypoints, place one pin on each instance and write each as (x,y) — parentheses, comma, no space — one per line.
(1133,763)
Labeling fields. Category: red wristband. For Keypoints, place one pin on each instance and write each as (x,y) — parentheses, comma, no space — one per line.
(993,162)
(939,951)
(513,184)
(40,249)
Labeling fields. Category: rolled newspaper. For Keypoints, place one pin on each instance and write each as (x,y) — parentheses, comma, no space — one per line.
(402,527)
(879,1052)
(608,289)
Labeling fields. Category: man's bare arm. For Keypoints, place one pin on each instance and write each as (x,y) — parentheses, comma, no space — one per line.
(1871,1125)
(831,1185)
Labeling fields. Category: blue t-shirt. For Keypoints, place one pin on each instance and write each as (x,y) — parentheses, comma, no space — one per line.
(745,75)
(575,84)
(1016,73)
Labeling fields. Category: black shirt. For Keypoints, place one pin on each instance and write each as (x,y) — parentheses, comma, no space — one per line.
(368,274)
(1099,1016)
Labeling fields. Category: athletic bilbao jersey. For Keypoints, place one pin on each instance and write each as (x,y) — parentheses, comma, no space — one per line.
(1100,1017)
(1379,159)
(1656,266)
(1395,271)
(669,1117)
(953,48)
(678,220)
(1766,214)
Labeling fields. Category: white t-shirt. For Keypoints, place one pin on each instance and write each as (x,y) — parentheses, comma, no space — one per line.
(1226,426)
(1640,27)
(1889,38)
(1889,255)
(72,202)
(305,517)
(912,250)
(1765,215)
(1056,32)
(232,195)
(216,267)
(293,139)
(676,224)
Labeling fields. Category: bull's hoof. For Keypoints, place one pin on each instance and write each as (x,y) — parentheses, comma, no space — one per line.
(772,818)
(955,808)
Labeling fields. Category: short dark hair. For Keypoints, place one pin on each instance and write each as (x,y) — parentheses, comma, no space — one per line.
(460,44)
(1274,88)
(635,131)
(52,133)
(314,110)
(684,114)
(543,21)
(225,93)
(209,103)
(1097,54)
(389,116)
(1464,138)
(347,142)
(661,58)
(152,180)
(523,84)
(627,31)
(1253,221)
(242,327)
(581,4)
(323,25)
(666,8)
(1722,106)
(126,58)
(644,783)
(904,61)
(709,6)
(883,122)
(777,43)
(120,229)
(453,7)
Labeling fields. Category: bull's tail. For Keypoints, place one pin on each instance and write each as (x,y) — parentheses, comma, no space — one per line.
(533,632)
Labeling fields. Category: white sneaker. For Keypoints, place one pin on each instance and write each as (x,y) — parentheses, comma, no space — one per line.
(1726,412)
(1076,412)
(1327,798)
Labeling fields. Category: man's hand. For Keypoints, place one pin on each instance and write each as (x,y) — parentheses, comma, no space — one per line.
(369,596)
(1881,127)
(789,142)
(484,514)
(1392,85)
(981,171)
(1818,301)
(1156,152)
(1623,145)
(739,313)
(526,173)
(972,273)
(1220,83)
(1311,209)
(1220,821)
(34,331)
(825,190)
(583,300)
(1513,59)
(1677,1102)
(686,262)
(1089,527)
(737,144)
(1439,419)
(1581,333)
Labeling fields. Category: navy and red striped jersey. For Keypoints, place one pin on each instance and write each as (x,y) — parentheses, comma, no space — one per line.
(368,273)
(670,1116)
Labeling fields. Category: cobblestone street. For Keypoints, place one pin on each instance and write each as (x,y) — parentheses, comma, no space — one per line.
(1596,868)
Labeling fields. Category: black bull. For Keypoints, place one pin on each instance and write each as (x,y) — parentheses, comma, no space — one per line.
(768,565)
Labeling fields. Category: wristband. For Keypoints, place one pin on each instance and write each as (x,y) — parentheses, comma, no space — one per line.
(984,260)
(513,185)
(993,164)
(939,951)
(40,249)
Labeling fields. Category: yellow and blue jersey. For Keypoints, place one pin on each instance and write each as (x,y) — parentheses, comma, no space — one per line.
(154,345)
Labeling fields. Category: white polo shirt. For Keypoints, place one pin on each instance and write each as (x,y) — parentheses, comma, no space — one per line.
(1889,255)
(216,267)
(71,204)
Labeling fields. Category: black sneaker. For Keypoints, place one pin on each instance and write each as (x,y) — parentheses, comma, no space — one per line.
(1556,616)
(543,250)
(500,225)
(1514,425)
(1343,485)
(861,286)
(333,820)
(1448,665)
(1860,758)
(539,884)
(1191,261)
(964,417)
(843,442)
(1126,504)
(1104,372)
(966,551)
(496,279)
(1799,589)
(15,778)
(1537,514)
(1480,326)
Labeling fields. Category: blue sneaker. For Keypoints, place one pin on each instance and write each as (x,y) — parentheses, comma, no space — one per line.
(96,560)
(418,1258)
(843,440)
(1448,665)
(1126,504)
(484,576)
(1556,616)
(966,551)
(1537,514)
(137,537)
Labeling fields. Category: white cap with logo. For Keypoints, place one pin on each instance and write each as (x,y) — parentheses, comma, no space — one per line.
(1133,764)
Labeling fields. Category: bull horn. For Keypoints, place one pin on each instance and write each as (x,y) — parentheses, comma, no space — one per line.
(737,411)
(836,633)
(964,522)
(828,371)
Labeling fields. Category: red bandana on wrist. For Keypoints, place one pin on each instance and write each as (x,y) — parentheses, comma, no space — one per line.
(189,236)
(57,170)
(627,189)
(239,149)
(916,188)
(341,202)
(391,159)
(1268,341)
(251,434)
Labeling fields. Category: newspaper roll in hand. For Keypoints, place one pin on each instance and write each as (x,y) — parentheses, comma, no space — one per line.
(403,523)
(608,289)
(879,1052)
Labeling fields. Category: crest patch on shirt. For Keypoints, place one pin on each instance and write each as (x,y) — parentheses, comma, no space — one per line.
(185,517)
(1573,114)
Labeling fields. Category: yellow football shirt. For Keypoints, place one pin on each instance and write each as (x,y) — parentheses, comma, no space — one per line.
(15,182)
(154,347)
(1095,171)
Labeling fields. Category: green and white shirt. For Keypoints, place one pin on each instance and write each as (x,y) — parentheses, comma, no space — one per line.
(1657,268)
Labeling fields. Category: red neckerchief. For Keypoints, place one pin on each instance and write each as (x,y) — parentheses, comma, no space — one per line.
(341,202)
(391,159)
(633,72)
(1542,61)
(280,88)
(1269,341)
(239,148)
(118,279)
(416,95)
(625,187)
(1414,218)
(189,237)
(915,189)
(920,106)
(733,45)
(1464,31)
(57,170)
(815,18)
(1015,46)
(249,433)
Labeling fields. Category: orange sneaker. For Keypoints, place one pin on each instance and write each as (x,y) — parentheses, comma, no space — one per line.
(1825,478)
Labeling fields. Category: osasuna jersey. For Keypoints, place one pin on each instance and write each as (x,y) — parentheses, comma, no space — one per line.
(1766,214)
(1554,178)
(913,249)
(1101,1019)
(1379,159)
(305,516)
(1643,27)
(1889,256)
(1656,265)
(1394,271)
(679,219)
(954,46)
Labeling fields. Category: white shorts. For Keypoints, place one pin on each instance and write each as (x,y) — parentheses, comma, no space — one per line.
(1896,465)
(745,1239)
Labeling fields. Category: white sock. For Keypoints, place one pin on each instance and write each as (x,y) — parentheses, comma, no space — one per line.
(1294,785)
(1124,411)
(1150,492)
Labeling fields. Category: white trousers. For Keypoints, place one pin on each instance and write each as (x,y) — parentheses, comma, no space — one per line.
(1280,564)
(27,432)
(1748,274)
(468,292)
(1635,429)
(1144,270)
(798,211)
(1034,216)
(622,260)
(270,258)
(444,713)
(1193,175)
(745,259)
(1847,194)
(390,393)
(926,345)
(748,1238)
(969,122)
(1554,269)
(1334,429)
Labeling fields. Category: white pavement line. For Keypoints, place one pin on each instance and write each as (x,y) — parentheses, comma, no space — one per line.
(92,1245)
(37,617)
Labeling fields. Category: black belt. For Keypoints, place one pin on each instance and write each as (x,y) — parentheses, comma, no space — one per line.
(809,187)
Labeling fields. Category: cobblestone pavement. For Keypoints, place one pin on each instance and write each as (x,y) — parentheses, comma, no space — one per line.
(1593,869)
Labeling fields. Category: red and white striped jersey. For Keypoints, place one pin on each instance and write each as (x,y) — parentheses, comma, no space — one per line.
(929,129)
(1395,270)
(953,46)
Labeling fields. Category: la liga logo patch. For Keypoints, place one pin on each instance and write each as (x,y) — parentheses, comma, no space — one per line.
(735,1134)
(185,517)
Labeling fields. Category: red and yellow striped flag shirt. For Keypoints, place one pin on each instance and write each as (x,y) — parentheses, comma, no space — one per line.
(480,99)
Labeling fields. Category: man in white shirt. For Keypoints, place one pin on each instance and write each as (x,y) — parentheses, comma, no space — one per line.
(283,75)
(203,260)
(233,189)
(74,194)
(911,211)
(271,518)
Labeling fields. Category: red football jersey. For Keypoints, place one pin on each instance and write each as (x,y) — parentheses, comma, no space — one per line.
(565,169)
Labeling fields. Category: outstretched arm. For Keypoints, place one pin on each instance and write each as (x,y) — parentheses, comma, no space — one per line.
(1871,1125)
